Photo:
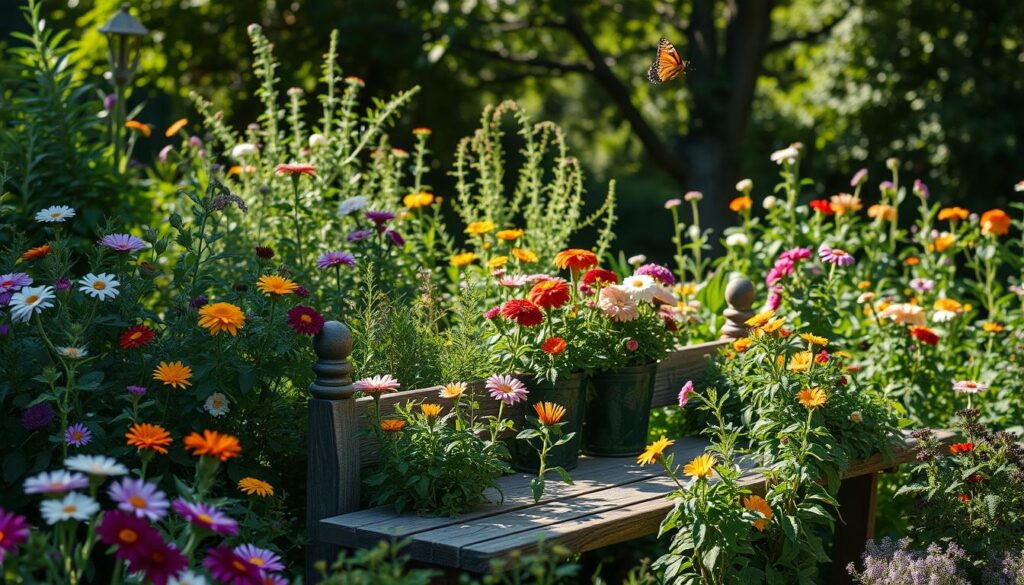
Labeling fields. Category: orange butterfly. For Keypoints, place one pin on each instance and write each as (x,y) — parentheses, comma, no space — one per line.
(667,64)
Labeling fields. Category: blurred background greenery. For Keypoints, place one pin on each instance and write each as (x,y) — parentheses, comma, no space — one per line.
(937,83)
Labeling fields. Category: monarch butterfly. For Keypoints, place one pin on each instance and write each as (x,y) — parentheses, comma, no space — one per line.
(667,64)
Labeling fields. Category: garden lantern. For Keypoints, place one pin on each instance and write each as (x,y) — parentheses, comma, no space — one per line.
(124,33)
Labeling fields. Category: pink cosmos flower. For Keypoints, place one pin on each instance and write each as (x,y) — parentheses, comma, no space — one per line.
(684,393)
(969,386)
(377,384)
(492,313)
(506,389)
(835,256)
(795,254)
(617,304)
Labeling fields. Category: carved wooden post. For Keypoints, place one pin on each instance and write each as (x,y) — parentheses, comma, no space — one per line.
(739,294)
(333,458)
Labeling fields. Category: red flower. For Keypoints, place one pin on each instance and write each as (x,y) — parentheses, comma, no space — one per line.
(925,335)
(600,275)
(553,345)
(136,336)
(965,497)
(305,320)
(36,253)
(522,312)
(958,448)
(821,358)
(295,169)
(549,294)
(974,478)
(822,206)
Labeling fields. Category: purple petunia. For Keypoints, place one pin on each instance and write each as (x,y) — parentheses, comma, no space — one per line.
(657,272)
(835,256)
(123,242)
(14,281)
(335,258)
(78,435)
(206,516)
(140,498)
(38,416)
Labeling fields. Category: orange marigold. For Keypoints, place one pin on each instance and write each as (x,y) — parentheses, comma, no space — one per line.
(272,284)
(175,127)
(954,214)
(253,486)
(549,413)
(760,505)
(219,317)
(36,253)
(144,436)
(139,127)
(392,425)
(995,222)
(742,203)
(812,397)
(575,259)
(213,444)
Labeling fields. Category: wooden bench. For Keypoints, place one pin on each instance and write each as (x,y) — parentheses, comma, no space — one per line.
(612,499)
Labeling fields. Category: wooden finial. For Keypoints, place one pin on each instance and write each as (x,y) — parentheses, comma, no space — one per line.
(739,294)
(333,371)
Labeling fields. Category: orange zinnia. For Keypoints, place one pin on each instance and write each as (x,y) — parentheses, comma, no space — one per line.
(144,436)
(741,204)
(175,127)
(509,235)
(995,222)
(549,294)
(954,214)
(524,255)
(392,425)
(36,253)
(214,444)
(575,259)
(549,413)
(253,486)
(760,505)
(219,317)
(174,374)
(272,284)
(812,397)
(139,127)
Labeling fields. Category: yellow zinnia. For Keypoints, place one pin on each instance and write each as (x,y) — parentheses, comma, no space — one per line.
(701,466)
(654,451)
(814,339)
(453,390)
(812,397)
(430,410)
(497,262)
(992,327)
(760,505)
(510,235)
(219,317)
(175,127)
(463,259)
(272,284)
(686,289)
(479,228)
(742,344)
(942,242)
(801,361)
(174,374)
(760,318)
(954,214)
(524,255)
(417,200)
(253,486)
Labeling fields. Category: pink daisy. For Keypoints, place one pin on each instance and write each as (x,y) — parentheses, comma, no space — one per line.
(506,389)
(377,384)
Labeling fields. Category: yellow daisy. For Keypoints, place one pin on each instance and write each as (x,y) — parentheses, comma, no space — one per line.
(253,486)
(272,284)
(701,466)
(654,451)
(174,374)
(219,317)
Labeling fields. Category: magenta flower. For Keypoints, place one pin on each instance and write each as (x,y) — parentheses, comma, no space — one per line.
(130,534)
(305,320)
(377,384)
(835,256)
(78,435)
(921,190)
(492,313)
(123,242)
(684,393)
(160,562)
(136,390)
(62,284)
(206,516)
(783,267)
(38,416)
(55,482)
(795,254)
(632,345)
(396,238)
(774,300)
(379,217)
(657,272)
(334,259)
(359,235)
(14,281)
(227,566)
(506,389)
(261,557)
(15,532)
(140,498)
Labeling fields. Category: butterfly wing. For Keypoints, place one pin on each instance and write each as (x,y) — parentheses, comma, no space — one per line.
(667,63)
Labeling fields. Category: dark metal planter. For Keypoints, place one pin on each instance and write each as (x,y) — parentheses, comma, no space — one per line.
(618,411)
(569,391)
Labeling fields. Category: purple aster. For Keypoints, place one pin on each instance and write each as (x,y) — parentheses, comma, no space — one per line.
(335,258)
(109,101)
(136,390)
(886,186)
(5,329)
(14,281)
(396,238)
(140,498)
(379,217)
(359,235)
(506,389)
(78,435)
(922,285)
(63,283)
(657,272)
(5,298)
(264,559)
(123,242)
(206,516)
(859,178)
(835,256)
(38,416)
(198,301)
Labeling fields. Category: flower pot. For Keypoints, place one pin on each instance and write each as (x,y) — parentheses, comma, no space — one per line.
(568,391)
(618,411)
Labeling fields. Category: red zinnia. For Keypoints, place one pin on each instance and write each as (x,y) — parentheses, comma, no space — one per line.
(822,206)
(575,259)
(822,357)
(295,169)
(965,497)
(553,345)
(600,275)
(925,335)
(522,312)
(305,320)
(957,448)
(974,478)
(136,336)
(550,294)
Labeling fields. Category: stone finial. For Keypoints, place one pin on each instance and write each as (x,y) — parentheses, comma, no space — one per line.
(739,294)
(333,371)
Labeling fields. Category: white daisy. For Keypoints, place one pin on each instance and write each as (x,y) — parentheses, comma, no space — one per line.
(95,465)
(217,404)
(737,239)
(352,205)
(55,214)
(99,286)
(316,140)
(73,352)
(640,287)
(637,260)
(29,301)
(244,150)
(74,506)
(787,155)
(59,481)
(188,578)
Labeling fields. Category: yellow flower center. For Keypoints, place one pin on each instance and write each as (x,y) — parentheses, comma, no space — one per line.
(71,509)
(1,536)
(31,299)
(306,319)
(238,565)
(256,561)
(55,214)
(137,501)
(128,536)
(205,518)
(99,285)
(136,335)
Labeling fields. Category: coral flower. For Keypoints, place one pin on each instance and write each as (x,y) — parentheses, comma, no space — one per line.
(524,255)
(942,242)
(252,486)
(954,214)
(742,203)
(599,275)
(618,304)
(506,389)
(175,127)
(812,397)
(462,259)
(523,312)
(549,294)
(272,284)
(136,336)
(575,259)
(144,436)
(553,345)
(36,253)
(654,451)
(213,444)
(392,425)
(509,235)
(549,413)
(844,203)
(822,206)
(173,374)
(925,335)
(305,320)
(995,222)
(295,169)
(882,211)
(701,466)
(417,200)
(742,344)
(760,505)
(219,317)
(959,448)
(139,127)
(479,228)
